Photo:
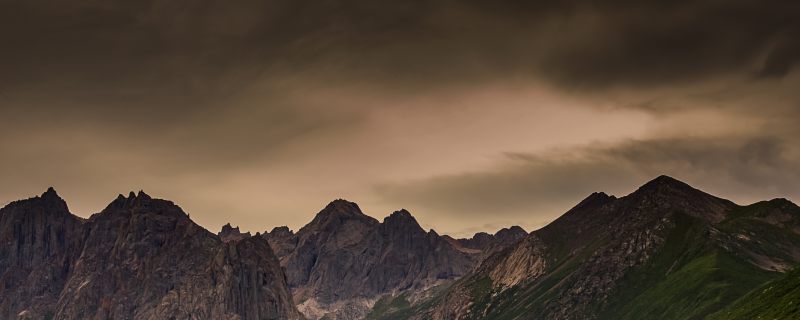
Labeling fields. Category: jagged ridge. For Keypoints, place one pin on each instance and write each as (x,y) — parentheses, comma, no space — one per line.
(139,258)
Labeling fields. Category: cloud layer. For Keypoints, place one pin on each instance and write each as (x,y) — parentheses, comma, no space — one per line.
(473,114)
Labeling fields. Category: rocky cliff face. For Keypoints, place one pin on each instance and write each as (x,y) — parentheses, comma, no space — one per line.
(342,262)
(666,251)
(40,242)
(140,258)
(282,240)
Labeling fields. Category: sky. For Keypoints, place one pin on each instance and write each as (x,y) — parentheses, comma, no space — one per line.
(473,115)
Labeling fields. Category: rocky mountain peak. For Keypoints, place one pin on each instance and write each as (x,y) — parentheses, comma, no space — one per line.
(143,196)
(50,193)
(228,228)
(402,213)
(401,218)
(340,208)
(337,213)
(281,231)
(141,204)
(515,229)
(510,234)
(49,203)
(666,185)
(482,237)
(342,205)
(51,199)
(230,233)
(670,194)
(594,200)
(401,222)
(132,199)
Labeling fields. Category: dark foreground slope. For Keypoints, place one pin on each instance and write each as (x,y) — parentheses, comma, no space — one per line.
(140,258)
(666,251)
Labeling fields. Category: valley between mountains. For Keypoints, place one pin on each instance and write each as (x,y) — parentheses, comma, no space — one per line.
(665,251)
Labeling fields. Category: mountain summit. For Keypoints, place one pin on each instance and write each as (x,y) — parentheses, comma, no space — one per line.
(667,193)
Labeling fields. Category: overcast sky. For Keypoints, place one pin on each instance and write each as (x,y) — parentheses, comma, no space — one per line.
(473,115)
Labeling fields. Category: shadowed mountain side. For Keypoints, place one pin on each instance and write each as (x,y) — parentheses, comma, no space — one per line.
(139,258)
(666,251)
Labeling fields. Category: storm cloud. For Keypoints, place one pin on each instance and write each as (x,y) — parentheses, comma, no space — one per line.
(259,112)
(213,47)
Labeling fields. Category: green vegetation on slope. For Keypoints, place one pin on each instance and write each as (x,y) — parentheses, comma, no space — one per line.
(776,300)
(688,279)
(391,308)
(701,286)
(400,308)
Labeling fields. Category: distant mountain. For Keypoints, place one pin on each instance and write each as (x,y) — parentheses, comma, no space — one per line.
(486,244)
(344,263)
(666,251)
(341,263)
(140,258)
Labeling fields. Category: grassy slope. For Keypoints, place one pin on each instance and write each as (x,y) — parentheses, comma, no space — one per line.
(399,308)
(701,286)
(778,299)
(391,308)
(688,279)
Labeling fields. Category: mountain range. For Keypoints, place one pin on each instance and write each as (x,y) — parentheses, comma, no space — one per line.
(665,251)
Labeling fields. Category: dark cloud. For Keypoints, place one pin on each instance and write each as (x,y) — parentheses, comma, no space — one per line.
(208,48)
(782,57)
(647,44)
